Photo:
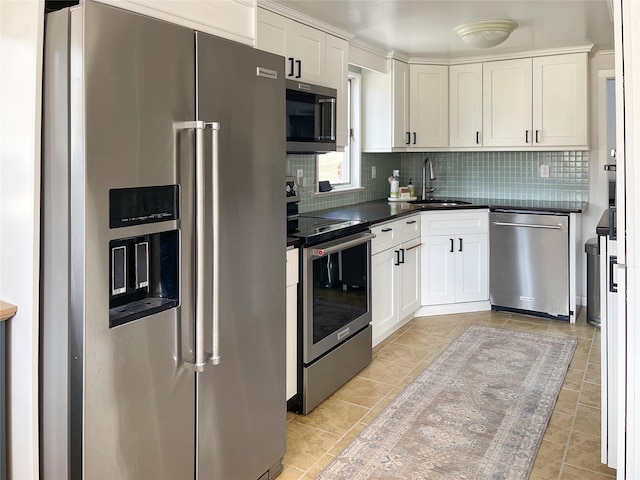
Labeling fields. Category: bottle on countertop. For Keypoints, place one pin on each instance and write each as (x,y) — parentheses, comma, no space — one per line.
(394,180)
(412,189)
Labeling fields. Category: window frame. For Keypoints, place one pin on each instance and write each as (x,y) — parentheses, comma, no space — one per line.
(352,149)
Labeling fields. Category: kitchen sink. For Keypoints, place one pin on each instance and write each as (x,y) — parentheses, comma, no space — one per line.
(436,202)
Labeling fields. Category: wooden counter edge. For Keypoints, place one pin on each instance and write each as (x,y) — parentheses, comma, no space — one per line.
(7,311)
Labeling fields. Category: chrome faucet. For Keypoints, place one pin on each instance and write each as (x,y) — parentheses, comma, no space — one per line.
(432,176)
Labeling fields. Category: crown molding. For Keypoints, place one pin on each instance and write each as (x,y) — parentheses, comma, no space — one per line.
(368,47)
(306,19)
(521,54)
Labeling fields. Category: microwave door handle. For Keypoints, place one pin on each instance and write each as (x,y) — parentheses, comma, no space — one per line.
(331,104)
(332,120)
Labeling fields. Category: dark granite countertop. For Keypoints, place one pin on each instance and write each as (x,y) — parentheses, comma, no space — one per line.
(377,211)
(602,228)
(293,242)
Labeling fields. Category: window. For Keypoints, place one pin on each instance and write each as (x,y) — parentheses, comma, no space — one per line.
(342,168)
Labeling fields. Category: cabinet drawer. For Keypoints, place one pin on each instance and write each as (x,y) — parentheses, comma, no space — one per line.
(292,266)
(387,236)
(409,227)
(452,223)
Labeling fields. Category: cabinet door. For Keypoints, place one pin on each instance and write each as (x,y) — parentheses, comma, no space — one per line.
(230,19)
(429,105)
(337,75)
(409,281)
(560,100)
(400,103)
(272,33)
(307,46)
(294,41)
(292,323)
(465,105)
(438,270)
(471,269)
(384,284)
(507,103)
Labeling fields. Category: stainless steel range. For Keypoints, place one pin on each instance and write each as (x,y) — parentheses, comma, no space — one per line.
(334,312)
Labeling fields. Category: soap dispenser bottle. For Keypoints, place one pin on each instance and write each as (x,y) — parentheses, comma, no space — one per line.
(394,180)
(412,189)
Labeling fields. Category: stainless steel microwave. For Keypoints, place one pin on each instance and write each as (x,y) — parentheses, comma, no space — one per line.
(311,118)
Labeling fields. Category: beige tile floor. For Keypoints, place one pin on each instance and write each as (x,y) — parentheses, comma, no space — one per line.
(570,449)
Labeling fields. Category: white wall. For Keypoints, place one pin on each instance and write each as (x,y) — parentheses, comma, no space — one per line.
(598,157)
(21,29)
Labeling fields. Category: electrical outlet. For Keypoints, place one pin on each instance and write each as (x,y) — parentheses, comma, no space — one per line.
(300,173)
(544,171)
(373,171)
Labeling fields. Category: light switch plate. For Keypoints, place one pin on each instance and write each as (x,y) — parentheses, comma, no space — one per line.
(299,173)
(544,171)
(373,171)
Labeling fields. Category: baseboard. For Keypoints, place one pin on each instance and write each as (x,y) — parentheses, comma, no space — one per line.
(430,310)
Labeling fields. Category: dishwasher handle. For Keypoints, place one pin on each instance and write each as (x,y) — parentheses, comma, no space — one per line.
(528,225)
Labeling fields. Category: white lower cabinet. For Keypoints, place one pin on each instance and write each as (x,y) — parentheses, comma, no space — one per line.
(455,257)
(292,322)
(395,274)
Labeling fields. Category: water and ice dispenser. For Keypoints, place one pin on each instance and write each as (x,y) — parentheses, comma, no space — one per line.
(143,269)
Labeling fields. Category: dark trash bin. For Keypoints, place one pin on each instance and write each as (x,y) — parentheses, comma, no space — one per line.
(592,249)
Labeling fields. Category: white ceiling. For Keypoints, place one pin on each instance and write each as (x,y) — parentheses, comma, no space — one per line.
(424,28)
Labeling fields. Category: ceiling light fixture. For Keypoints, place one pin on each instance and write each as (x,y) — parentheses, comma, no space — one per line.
(485,34)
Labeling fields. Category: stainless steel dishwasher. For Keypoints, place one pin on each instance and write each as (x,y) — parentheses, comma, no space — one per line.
(529,263)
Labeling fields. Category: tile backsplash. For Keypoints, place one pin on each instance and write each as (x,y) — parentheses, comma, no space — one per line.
(501,175)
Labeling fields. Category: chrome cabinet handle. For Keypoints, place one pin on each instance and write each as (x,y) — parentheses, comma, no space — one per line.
(200,358)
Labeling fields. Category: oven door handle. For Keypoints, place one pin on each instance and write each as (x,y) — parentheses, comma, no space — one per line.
(319,251)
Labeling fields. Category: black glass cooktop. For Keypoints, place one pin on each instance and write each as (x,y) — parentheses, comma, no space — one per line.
(315,229)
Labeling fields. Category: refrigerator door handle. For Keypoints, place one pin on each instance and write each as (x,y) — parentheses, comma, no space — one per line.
(200,358)
(214,356)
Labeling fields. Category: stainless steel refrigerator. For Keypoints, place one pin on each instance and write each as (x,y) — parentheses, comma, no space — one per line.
(163,252)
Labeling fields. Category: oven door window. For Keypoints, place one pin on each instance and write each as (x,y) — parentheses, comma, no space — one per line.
(340,290)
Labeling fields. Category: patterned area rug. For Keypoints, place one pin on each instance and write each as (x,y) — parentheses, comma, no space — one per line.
(478,411)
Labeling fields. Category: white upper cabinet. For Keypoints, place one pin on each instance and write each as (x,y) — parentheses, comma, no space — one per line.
(411,102)
(400,103)
(539,102)
(337,76)
(465,105)
(385,108)
(429,106)
(560,100)
(303,47)
(507,95)
(311,56)
(231,19)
